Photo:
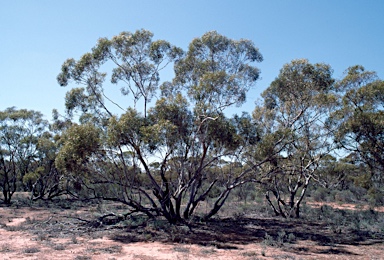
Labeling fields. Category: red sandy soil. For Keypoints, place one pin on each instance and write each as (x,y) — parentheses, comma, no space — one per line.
(39,233)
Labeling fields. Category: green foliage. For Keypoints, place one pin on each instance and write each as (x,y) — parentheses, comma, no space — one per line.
(300,84)
(78,144)
(183,150)
(167,160)
(32,177)
(293,134)
(360,118)
(217,72)
(20,132)
(376,196)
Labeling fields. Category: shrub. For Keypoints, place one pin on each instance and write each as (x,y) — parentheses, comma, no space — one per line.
(31,250)
(345,196)
(321,194)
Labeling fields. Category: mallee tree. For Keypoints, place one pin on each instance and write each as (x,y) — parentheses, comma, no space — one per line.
(20,131)
(294,133)
(165,161)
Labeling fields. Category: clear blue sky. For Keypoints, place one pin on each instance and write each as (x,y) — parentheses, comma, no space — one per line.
(36,37)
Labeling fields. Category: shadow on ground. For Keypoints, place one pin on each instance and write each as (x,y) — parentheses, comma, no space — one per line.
(299,236)
(232,233)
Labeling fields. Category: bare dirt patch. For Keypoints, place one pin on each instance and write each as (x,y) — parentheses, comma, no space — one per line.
(62,231)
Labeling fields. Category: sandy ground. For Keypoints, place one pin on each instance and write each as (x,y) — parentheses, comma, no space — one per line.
(23,236)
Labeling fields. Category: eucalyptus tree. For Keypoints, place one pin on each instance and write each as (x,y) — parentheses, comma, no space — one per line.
(295,132)
(45,180)
(215,74)
(137,60)
(360,119)
(166,161)
(19,134)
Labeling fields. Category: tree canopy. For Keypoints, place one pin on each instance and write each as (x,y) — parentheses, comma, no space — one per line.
(172,147)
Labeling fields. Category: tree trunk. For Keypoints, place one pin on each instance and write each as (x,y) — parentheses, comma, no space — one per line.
(218,204)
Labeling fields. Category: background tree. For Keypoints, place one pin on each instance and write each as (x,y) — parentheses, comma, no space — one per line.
(360,121)
(19,134)
(295,133)
(46,181)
